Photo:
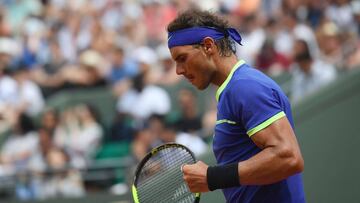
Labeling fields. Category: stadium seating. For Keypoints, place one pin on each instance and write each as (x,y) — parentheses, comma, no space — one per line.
(327,127)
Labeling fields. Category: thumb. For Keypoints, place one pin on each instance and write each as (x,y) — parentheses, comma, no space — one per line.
(182,167)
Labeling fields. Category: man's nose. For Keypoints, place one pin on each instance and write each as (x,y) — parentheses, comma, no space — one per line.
(180,69)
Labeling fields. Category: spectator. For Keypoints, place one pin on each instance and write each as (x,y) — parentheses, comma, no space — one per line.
(29,98)
(330,45)
(148,99)
(270,61)
(20,145)
(254,35)
(309,74)
(121,67)
(8,86)
(340,12)
(53,174)
(50,120)
(143,142)
(167,133)
(79,129)
(294,29)
(189,120)
(48,76)
(156,16)
(89,72)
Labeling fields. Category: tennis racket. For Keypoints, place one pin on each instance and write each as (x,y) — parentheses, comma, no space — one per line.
(159,179)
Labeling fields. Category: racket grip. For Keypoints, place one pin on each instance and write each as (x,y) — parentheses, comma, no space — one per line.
(197,197)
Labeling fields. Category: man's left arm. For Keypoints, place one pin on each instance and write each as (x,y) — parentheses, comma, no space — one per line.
(280,158)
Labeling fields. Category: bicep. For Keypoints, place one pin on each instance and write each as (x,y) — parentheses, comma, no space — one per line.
(277,133)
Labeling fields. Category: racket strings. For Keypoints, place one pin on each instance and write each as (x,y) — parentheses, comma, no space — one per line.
(163,190)
(161,178)
(166,160)
(168,164)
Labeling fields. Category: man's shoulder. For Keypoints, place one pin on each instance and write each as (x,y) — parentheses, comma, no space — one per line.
(247,83)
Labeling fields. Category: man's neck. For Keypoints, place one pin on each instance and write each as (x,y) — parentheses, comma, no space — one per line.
(224,66)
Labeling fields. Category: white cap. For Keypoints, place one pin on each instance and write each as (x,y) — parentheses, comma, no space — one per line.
(91,58)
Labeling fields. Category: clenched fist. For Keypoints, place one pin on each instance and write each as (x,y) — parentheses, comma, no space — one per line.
(195,176)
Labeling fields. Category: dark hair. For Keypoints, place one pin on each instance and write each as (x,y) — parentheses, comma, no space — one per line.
(197,18)
(25,124)
(304,55)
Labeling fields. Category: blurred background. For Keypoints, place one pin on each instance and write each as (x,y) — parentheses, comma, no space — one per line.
(87,87)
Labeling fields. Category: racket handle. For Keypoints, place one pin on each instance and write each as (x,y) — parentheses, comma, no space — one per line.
(197,197)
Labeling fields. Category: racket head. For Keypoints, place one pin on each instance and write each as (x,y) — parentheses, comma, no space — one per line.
(158,177)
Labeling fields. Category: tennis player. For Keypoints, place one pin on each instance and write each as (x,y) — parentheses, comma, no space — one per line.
(258,156)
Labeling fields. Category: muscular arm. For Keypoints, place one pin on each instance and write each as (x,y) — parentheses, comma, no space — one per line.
(280,156)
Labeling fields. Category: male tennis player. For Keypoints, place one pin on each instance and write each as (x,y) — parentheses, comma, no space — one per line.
(258,156)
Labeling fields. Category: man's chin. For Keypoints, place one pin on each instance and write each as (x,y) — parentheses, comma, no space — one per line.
(200,87)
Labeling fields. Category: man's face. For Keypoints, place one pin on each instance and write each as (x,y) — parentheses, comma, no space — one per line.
(193,64)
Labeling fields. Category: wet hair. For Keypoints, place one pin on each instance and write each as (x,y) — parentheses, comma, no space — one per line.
(197,18)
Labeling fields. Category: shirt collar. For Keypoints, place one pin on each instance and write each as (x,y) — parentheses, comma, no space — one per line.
(224,84)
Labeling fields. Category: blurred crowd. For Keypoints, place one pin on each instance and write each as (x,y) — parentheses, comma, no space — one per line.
(48,46)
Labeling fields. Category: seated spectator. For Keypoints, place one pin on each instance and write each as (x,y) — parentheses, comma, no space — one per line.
(340,12)
(21,144)
(167,133)
(50,120)
(330,44)
(145,59)
(309,74)
(29,98)
(121,67)
(63,182)
(193,142)
(189,120)
(79,129)
(89,72)
(53,175)
(48,75)
(143,100)
(143,142)
(270,61)
(8,95)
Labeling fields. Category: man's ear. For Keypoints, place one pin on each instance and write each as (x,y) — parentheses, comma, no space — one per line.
(209,45)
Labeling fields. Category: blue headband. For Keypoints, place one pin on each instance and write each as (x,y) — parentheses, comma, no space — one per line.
(195,35)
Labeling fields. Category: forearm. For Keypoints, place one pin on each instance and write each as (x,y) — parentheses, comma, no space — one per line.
(269,166)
